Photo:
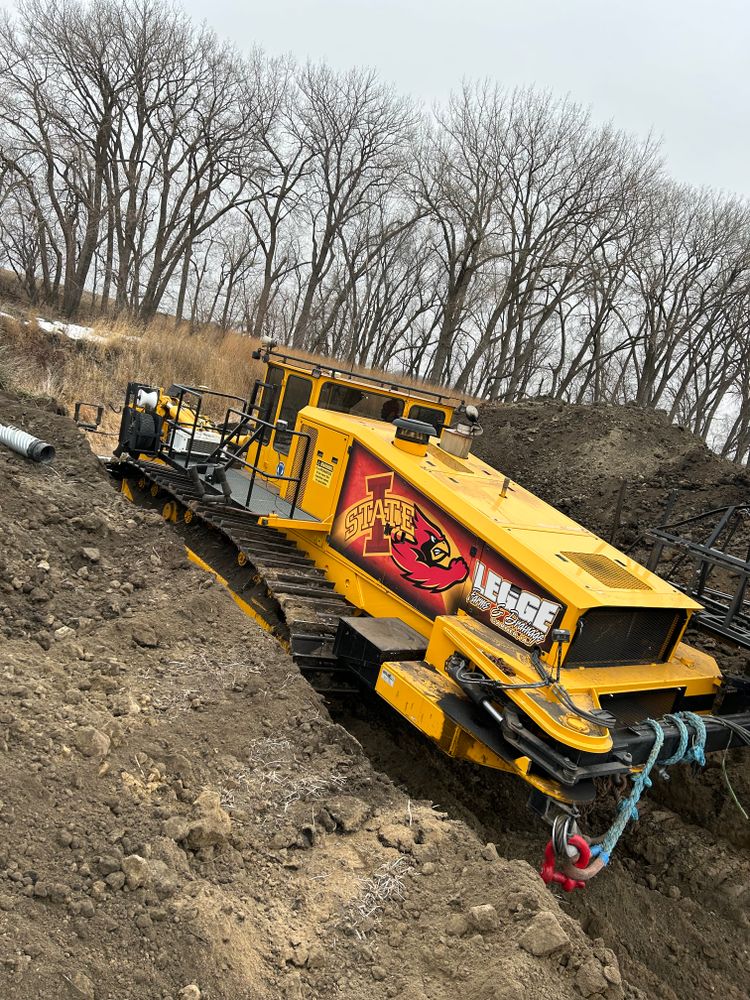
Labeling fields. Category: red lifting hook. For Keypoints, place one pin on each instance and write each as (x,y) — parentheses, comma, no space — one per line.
(550,874)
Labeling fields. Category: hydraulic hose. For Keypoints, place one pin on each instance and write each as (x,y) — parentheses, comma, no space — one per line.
(26,444)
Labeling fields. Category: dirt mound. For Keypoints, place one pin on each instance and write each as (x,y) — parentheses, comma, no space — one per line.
(576,458)
(179,815)
(673,903)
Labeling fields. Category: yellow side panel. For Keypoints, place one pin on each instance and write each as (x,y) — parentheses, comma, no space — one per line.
(415,691)
(325,466)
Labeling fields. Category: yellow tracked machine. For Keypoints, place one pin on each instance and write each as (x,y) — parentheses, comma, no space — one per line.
(349,515)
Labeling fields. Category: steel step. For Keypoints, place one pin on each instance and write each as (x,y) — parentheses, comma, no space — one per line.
(301,590)
(312,576)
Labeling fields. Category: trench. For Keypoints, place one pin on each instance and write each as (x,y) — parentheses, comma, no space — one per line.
(672,938)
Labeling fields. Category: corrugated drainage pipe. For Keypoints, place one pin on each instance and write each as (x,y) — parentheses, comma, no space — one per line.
(26,444)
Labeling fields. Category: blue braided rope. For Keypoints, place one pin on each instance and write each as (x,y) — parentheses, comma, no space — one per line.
(687,751)
(697,752)
(682,746)
(628,808)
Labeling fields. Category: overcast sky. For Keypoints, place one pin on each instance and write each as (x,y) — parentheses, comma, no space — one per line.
(678,67)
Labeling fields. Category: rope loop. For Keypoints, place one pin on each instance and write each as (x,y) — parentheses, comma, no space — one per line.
(697,752)
(628,808)
(682,746)
(688,751)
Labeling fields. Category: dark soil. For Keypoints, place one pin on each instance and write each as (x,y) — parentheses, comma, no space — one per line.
(181,818)
(576,457)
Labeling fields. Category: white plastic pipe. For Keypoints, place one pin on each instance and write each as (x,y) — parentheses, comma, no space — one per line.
(26,444)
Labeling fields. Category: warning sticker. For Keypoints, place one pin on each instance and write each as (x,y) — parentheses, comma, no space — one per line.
(323,473)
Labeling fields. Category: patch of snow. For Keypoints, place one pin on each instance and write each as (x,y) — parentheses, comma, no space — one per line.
(70,330)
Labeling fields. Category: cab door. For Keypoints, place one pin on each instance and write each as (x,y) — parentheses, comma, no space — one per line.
(293,395)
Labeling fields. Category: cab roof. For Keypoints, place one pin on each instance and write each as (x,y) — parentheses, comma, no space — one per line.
(318,369)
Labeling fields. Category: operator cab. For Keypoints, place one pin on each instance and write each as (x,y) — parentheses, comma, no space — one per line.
(292,383)
(261,454)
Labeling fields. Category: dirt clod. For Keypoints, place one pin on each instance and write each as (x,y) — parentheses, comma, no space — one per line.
(190,992)
(91,742)
(136,871)
(590,979)
(80,986)
(484,917)
(213,825)
(544,935)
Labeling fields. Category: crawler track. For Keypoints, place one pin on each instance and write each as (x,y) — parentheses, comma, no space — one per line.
(280,583)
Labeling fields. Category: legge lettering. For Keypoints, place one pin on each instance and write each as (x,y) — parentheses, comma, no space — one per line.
(521,613)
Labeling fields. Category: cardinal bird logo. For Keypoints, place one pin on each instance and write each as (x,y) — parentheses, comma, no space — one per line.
(424,560)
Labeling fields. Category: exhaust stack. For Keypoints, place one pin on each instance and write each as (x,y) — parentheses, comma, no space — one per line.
(457,441)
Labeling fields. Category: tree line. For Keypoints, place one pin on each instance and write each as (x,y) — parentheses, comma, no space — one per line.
(503,243)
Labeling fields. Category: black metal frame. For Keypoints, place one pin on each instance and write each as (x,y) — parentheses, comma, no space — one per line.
(249,423)
(198,395)
(724,614)
(87,425)
(631,746)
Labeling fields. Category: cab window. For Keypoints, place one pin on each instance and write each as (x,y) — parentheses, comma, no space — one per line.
(428,415)
(296,396)
(360,402)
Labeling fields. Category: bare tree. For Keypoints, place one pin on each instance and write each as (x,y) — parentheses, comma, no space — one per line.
(502,243)
(355,130)
(458,183)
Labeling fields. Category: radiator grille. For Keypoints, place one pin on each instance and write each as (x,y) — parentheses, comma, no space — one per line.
(608,637)
(606,571)
(633,707)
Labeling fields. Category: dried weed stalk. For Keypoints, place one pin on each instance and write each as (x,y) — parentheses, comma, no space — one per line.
(274,770)
(386,884)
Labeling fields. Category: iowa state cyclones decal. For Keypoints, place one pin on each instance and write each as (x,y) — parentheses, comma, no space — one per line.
(401,538)
(423,554)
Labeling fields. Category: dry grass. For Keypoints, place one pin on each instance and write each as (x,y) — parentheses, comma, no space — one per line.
(44,364)
(273,769)
(97,371)
(386,884)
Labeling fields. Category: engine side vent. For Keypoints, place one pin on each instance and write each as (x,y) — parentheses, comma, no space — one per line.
(610,637)
(297,467)
(606,571)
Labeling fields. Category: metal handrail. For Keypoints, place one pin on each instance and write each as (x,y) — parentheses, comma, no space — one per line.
(249,420)
(198,395)
(203,391)
(724,614)
(257,438)
(174,422)
(247,414)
